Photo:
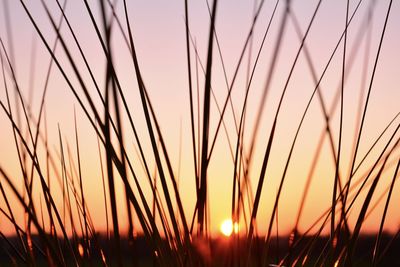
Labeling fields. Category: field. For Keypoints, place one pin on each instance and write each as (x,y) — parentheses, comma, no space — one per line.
(199,133)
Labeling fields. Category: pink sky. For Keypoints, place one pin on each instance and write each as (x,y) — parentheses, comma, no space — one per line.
(159,35)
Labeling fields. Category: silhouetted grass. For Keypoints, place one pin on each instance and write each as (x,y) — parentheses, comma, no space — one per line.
(58,228)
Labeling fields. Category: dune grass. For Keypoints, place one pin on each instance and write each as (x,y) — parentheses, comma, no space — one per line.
(58,228)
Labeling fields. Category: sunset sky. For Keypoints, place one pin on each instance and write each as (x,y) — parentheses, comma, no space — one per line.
(159,35)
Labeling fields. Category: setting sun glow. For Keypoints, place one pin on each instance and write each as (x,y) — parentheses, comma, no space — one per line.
(227,227)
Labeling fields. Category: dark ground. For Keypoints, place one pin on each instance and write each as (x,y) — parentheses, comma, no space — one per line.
(138,253)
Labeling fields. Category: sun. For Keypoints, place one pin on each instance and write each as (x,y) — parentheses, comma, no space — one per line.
(228,227)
